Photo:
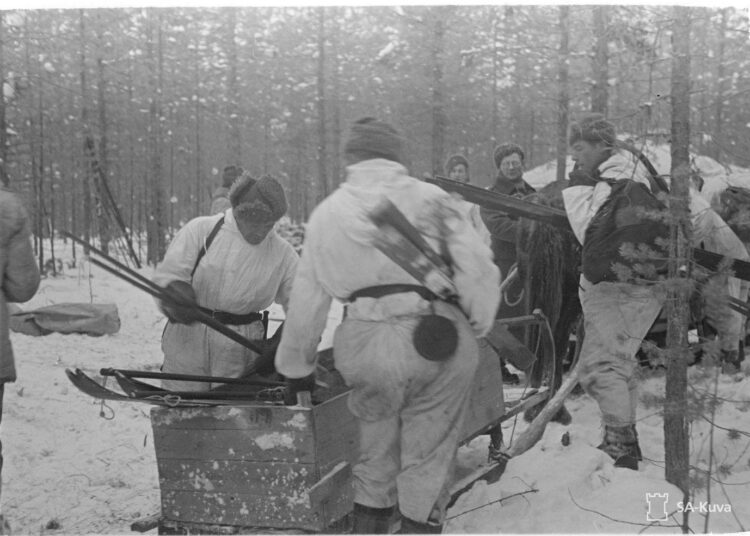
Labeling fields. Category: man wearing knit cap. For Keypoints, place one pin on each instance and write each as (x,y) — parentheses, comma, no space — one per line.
(617,314)
(410,409)
(232,265)
(220,198)
(457,168)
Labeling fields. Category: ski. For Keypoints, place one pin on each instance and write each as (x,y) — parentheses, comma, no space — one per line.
(89,386)
(135,388)
(226,394)
(245,380)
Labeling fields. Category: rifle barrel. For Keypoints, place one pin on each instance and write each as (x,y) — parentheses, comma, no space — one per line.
(558,218)
(160,294)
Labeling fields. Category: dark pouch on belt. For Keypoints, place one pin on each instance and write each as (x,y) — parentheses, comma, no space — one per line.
(435,337)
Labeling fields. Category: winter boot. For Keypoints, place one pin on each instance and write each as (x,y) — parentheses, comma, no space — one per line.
(496,443)
(730,362)
(409,526)
(369,520)
(621,443)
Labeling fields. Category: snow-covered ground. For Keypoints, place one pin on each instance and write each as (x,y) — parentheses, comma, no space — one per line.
(76,466)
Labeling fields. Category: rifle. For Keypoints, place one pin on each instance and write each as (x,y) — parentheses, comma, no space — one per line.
(129,275)
(557,218)
(404,245)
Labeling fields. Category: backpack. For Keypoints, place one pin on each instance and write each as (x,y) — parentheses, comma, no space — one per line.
(619,221)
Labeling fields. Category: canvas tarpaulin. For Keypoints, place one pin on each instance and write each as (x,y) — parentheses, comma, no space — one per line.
(87,318)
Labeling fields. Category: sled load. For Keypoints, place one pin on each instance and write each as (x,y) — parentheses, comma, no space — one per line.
(239,458)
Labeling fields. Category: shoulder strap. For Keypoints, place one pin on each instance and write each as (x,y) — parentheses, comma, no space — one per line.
(207,243)
(656,179)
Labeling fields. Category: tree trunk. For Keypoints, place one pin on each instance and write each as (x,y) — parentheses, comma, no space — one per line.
(323,188)
(495,120)
(86,131)
(336,174)
(34,143)
(101,165)
(4,177)
(720,85)
(156,219)
(562,95)
(43,215)
(437,102)
(135,225)
(675,421)
(600,65)
(198,126)
(233,91)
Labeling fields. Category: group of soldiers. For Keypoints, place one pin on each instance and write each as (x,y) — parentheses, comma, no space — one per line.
(409,404)
(410,408)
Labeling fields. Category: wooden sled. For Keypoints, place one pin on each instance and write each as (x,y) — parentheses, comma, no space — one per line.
(260,467)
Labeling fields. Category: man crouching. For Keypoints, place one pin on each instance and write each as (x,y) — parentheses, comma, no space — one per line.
(410,409)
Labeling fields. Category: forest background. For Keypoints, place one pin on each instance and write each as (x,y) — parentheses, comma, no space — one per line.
(141,108)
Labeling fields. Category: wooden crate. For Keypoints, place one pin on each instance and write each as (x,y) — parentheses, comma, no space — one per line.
(285,467)
(280,467)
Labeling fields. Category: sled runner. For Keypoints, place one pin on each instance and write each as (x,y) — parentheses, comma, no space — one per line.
(137,391)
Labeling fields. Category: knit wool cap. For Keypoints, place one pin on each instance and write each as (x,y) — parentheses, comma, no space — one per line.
(230,174)
(506,149)
(260,201)
(371,138)
(593,128)
(455,160)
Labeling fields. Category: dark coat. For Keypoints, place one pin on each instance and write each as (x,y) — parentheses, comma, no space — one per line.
(19,274)
(501,226)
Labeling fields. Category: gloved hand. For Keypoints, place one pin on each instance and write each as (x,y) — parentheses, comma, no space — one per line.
(265,363)
(578,177)
(297,385)
(181,307)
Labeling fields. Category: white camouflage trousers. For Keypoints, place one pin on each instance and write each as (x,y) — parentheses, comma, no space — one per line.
(616,318)
(410,410)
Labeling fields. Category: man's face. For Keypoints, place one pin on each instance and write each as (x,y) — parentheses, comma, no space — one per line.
(512,167)
(459,173)
(254,232)
(587,155)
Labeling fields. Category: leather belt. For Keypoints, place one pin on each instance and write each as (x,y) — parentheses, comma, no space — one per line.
(232,319)
(379,291)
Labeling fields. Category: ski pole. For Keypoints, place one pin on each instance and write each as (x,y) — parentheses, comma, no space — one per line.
(164,295)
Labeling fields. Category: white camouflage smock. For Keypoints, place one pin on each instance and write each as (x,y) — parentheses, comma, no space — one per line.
(233,276)
(617,316)
(410,409)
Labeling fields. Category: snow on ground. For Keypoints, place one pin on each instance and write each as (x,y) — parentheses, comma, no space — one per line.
(76,466)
